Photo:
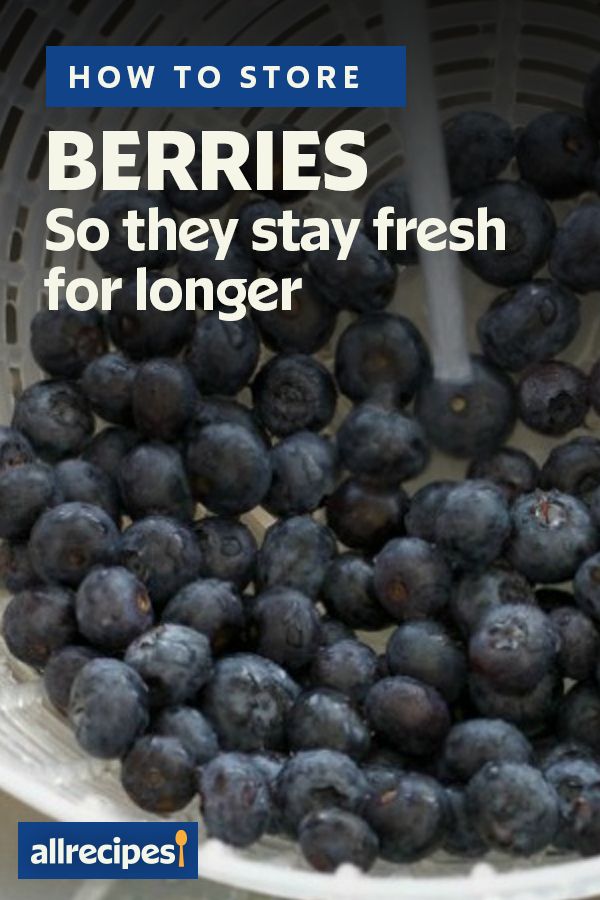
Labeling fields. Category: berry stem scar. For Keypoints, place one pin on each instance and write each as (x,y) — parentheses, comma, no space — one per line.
(430,192)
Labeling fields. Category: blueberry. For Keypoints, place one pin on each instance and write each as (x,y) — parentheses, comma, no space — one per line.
(332,631)
(552,751)
(409,819)
(235,803)
(278,259)
(81,481)
(16,570)
(142,333)
(364,516)
(478,592)
(153,481)
(64,341)
(222,355)
(37,622)
(174,661)
(461,838)
(473,525)
(15,449)
(248,700)
(573,467)
(283,625)
(229,468)
(163,398)
(381,776)
(200,201)
(313,780)
(116,257)
(60,671)
(424,507)
(305,327)
(513,808)
(69,539)
(192,730)
(510,469)
(586,587)
(385,757)
(55,417)
(228,550)
(270,766)
(211,607)
(556,153)
(579,715)
(332,837)
(108,448)
(472,744)
(158,774)
(529,231)
(108,707)
(362,283)
(531,712)
(381,353)
(577,783)
(394,193)
(325,718)
(278,188)
(107,382)
(304,474)
(225,411)
(513,647)
(575,260)
(112,608)
(25,493)
(579,642)
(553,397)
(348,592)
(382,444)
(293,392)
(528,324)
(472,418)
(552,535)
(591,99)
(411,716)
(163,553)
(426,652)
(479,145)
(348,666)
(203,264)
(412,580)
(295,553)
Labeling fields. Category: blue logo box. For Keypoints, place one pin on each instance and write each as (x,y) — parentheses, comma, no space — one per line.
(108,850)
(307,76)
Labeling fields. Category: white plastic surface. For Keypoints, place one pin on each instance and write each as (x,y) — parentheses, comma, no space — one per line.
(491,54)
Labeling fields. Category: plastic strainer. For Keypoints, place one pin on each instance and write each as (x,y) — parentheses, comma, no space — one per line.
(518,57)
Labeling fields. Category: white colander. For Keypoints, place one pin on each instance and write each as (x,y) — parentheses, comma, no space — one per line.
(518,57)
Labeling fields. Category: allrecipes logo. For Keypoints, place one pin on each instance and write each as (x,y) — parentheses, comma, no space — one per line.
(109,850)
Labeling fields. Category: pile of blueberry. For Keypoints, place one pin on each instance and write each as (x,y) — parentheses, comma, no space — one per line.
(211,666)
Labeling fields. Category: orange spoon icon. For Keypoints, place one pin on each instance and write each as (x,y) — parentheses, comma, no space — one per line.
(181,840)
